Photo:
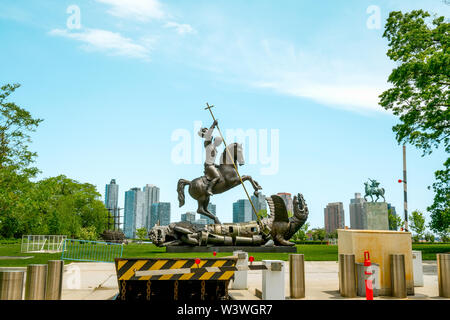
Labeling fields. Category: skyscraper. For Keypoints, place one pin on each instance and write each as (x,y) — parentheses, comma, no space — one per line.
(259,203)
(212,209)
(334,216)
(391,211)
(287,200)
(151,196)
(112,201)
(242,211)
(134,215)
(160,213)
(358,218)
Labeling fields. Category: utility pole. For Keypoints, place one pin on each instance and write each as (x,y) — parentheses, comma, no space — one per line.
(405,189)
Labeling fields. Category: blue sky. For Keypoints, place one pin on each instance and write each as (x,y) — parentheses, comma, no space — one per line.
(114,91)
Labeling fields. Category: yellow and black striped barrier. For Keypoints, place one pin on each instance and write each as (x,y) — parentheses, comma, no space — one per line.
(177,278)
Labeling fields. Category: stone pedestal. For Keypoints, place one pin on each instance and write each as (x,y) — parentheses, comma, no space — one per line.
(376,216)
(273,281)
(380,244)
(240,277)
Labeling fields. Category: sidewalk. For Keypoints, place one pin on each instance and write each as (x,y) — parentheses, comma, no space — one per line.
(89,281)
(322,282)
(98,281)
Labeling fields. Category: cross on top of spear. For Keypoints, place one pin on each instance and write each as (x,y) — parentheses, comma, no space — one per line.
(208,107)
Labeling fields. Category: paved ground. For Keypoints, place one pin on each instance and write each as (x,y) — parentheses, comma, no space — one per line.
(97,281)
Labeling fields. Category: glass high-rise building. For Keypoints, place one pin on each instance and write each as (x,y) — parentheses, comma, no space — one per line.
(188,217)
(134,214)
(243,211)
(391,211)
(259,203)
(358,218)
(212,209)
(334,217)
(151,196)
(112,201)
(160,214)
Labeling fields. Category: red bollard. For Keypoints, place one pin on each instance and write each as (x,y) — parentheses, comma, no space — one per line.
(368,276)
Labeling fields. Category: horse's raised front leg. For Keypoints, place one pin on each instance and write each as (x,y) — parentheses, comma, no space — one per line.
(255,184)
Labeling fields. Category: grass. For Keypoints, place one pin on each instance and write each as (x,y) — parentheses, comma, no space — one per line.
(311,252)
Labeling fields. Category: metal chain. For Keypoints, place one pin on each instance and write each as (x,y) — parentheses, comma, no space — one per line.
(175,290)
(149,290)
(124,290)
(217,291)
(226,289)
(203,290)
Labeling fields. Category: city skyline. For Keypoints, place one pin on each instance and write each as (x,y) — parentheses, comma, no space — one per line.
(334,213)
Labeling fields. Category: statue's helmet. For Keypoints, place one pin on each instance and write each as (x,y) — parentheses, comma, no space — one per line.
(158,235)
(202,132)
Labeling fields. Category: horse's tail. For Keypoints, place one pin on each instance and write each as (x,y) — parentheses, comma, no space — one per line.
(180,189)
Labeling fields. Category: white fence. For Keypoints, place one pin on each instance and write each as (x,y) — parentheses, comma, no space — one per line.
(42,243)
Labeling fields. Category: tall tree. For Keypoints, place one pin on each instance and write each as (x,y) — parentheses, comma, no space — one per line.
(395,221)
(417,223)
(420,92)
(16,124)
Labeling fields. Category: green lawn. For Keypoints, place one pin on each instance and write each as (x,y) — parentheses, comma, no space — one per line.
(311,252)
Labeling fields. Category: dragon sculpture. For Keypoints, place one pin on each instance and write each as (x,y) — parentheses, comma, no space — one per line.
(275,229)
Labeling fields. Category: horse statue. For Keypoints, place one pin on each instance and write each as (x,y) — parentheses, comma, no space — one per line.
(228,180)
(373,190)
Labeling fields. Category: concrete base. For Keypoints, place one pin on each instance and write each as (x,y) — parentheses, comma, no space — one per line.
(184,249)
(273,284)
(380,245)
(376,216)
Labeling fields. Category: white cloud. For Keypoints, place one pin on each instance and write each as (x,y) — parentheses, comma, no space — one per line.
(180,28)
(106,41)
(348,96)
(141,10)
(282,67)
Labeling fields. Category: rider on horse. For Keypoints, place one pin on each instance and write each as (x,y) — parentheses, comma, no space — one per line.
(211,172)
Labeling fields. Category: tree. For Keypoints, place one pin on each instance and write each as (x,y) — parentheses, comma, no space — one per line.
(319,234)
(332,235)
(15,162)
(300,235)
(417,223)
(429,237)
(440,209)
(420,93)
(57,205)
(15,125)
(142,234)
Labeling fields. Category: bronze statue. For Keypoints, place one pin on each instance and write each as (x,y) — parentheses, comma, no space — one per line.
(281,229)
(276,229)
(216,179)
(373,190)
(211,172)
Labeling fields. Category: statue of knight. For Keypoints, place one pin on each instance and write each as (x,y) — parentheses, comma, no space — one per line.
(211,169)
